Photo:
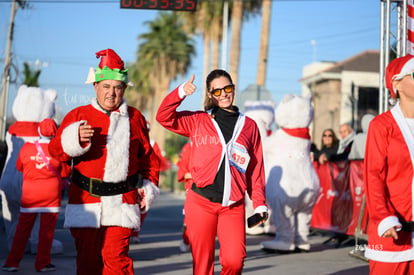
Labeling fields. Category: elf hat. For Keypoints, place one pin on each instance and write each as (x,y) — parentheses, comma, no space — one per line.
(47,128)
(111,67)
(397,69)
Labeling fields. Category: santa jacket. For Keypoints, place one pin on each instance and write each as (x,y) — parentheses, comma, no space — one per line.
(41,188)
(243,153)
(388,177)
(119,148)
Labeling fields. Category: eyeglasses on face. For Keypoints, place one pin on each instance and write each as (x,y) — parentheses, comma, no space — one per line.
(227,89)
(327,135)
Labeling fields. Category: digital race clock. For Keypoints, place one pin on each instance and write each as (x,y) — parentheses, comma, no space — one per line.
(177,5)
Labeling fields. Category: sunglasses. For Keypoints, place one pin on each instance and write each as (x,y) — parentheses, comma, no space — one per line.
(327,136)
(227,89)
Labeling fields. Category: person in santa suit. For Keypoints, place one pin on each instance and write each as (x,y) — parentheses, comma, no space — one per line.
(389,178)
(112,179)
(226,160)
(41,193)
(184,175)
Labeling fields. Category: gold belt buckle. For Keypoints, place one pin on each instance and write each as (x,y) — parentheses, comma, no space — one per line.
(91,182)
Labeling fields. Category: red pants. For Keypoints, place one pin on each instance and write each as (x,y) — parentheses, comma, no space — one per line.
(102,250)
(204,219)
(381,268)
(21,237)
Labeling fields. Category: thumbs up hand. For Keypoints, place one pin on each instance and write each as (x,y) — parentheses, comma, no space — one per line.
(189,87)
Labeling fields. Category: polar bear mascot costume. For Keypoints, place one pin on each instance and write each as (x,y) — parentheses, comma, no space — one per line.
(292,185)
(263,113)
(30,107)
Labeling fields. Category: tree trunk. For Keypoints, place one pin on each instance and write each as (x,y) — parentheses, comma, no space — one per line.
(206,66)
(161,88)
(236,27)
(215,34)
(264,42)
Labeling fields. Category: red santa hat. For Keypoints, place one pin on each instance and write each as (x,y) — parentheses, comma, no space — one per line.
(110,67)
(47,128)
(397,69)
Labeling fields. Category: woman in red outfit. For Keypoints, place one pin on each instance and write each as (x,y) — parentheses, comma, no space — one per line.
(226,160)
(388,176)
(41,193)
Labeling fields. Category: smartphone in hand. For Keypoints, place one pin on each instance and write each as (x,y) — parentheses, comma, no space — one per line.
(256,219)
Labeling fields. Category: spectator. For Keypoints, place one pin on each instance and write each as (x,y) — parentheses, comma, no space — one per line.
(358,146)
(347,137)
(41,193)
(329,146)
(388,176)
(109,145)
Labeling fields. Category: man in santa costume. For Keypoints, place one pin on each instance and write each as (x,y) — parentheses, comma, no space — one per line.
(388,176)
(108,144)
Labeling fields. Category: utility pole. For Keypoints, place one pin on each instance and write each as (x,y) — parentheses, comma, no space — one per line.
(7,65)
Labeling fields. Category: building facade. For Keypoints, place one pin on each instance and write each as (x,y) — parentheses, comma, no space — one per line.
(342,92)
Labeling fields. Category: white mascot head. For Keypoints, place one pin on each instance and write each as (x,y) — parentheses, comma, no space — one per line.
(294,111)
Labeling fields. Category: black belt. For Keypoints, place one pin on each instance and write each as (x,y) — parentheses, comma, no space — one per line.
(97,187)
(408,226)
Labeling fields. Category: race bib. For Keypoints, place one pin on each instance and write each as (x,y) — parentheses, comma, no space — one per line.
(239,157)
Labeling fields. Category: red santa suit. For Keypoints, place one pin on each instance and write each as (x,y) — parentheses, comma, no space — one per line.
(243,170)
(183,166)
(183,170)
(41,193)
(119,149)
(388,176)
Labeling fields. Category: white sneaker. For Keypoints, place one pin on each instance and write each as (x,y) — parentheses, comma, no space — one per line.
(9,268)
(277,246)
(184,247)
(47,268)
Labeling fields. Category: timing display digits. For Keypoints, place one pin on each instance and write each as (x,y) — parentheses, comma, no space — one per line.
(178,5)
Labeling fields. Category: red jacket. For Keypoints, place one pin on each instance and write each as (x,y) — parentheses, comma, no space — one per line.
(388,177)
(120,147)
(244,166)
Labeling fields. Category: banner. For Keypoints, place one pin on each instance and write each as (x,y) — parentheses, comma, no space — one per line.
(340,200)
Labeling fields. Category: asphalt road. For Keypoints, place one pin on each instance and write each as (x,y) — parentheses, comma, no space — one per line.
(158,251)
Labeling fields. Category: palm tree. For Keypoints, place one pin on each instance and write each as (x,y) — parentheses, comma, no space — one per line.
(240,11)
(264,42)
(201,22)
(164,52)
(31,79)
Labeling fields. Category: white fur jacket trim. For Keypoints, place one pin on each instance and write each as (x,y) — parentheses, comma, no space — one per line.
(70,140)
(151,194)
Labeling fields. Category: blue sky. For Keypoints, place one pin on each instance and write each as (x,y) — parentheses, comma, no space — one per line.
(64,36)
